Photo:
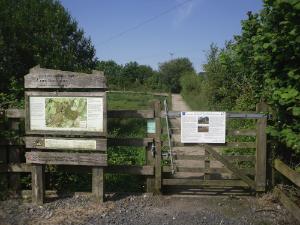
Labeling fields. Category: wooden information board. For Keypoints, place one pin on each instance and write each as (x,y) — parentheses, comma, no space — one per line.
(65,122)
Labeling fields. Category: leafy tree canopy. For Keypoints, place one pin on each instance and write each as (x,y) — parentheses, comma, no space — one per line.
(39,32)
(172,70)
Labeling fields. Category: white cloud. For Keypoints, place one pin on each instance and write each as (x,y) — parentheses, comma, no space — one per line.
(184,11)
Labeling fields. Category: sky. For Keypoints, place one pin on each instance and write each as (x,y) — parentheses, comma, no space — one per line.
(154,31)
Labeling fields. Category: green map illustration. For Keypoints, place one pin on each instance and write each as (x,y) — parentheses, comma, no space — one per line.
(66,112)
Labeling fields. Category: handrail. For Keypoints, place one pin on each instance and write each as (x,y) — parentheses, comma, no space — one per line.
(169,137)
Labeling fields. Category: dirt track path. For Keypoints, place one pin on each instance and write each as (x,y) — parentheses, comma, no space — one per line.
(178,104)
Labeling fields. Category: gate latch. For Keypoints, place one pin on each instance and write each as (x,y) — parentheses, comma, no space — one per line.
(153,149)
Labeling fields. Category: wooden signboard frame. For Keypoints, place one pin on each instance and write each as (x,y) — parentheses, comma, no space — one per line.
(55,145)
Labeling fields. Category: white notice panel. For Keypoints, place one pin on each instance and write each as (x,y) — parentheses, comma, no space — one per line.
(203,127)
(70,144)
(66,113)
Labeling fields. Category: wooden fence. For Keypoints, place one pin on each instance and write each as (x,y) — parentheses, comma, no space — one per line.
(294,177)
(12,150)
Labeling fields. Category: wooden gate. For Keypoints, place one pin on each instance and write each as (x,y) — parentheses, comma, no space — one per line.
(239,163)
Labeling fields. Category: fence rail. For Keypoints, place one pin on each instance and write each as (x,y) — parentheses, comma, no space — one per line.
(149,170)
(294,177)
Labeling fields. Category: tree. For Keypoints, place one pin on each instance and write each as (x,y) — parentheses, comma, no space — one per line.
(39,32)
(112,72)
(172,70)
(135,75)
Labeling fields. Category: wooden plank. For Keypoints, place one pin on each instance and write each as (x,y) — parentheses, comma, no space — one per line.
(206,166)
(98,184)
(203,157)
(15,167)
(48,78)
(139,92)
(137,142)
(243,132)
(231,167)
(147,114)
(14,113)
(61,158)
(14,157)
(288,172)
(261,149)
(3,162)
(12,142)
(158,166)
(2,114)
(150,160)
(198,182)
(130,169)
(292,207)
(120,169)
(167,169)
(87,144)
(226,145)
(38,184)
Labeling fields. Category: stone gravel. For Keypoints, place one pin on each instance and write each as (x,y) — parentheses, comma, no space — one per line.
(148,209)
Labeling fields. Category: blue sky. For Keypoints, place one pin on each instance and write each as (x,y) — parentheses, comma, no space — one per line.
(183,31)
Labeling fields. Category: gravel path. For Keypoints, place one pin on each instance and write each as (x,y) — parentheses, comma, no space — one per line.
(147,209)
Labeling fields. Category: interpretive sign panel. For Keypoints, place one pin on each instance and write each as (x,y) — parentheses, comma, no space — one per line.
(151,126)
(203,127)
(57,143)
(66,111)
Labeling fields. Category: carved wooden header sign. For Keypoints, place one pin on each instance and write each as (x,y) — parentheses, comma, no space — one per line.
(65,111)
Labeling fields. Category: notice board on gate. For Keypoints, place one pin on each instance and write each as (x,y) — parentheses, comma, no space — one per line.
(203,127)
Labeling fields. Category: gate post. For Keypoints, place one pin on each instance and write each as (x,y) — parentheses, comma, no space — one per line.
(38,183)
(14,157)
(261,149)
(98,184)
(157,110)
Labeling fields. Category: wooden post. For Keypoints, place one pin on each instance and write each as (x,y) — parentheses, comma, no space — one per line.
(158,169)
(98,184)
(261,149)
(14,157)
(38,183)
(149,161)
(206,166)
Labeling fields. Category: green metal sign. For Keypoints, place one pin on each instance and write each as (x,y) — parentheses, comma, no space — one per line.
(151,126)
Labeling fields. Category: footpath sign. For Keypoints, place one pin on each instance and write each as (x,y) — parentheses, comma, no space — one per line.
(203,127)
(65,122)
